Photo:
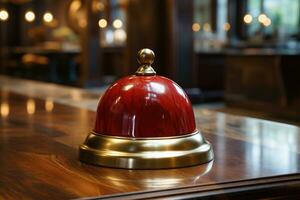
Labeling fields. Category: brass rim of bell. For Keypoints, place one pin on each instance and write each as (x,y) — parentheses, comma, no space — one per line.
(145,59)
(146,153)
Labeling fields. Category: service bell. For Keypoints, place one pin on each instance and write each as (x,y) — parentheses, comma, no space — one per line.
(145,121)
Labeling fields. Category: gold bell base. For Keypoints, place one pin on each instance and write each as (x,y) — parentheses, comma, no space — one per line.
(146,153)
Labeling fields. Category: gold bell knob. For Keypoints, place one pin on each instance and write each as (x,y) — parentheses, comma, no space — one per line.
(145,58)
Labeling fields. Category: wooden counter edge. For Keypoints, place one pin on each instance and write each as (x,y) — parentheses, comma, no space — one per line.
(279,187)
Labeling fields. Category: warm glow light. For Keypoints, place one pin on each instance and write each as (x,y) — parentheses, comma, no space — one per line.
(29,16)
(4,109)
(120,35)
(4,15)
(227,26)
(100,6)
(262,18)
(48,17)
(248,19)
(267,22)
(75,5)
(102,23)
(196,27)
(82,23)
(207,27)
(49,105)
(30,106)
(117,23)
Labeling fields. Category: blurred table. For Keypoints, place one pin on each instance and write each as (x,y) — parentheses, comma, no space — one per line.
(60,60)
(65,64)
(39,154)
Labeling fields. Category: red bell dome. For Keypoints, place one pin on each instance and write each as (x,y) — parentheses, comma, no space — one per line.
(145,106)
(145,121)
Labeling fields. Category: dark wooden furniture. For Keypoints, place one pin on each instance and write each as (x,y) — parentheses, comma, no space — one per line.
(265,80)
(210,65)
(39,158)
(61,66)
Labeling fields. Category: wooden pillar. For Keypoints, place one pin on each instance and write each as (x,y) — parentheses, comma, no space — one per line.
(9,32)
(146,28)
(213,15)
(236,12)
(90,73)
(165,27)
(182,42)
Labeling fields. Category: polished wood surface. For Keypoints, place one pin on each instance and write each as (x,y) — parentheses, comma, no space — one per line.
(39,154)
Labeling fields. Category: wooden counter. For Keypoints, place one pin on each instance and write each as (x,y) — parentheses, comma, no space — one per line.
(265,81)
(39,142)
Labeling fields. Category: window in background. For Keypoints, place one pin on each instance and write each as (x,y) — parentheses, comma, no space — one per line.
(203,36)
(276,18)
(254,9)
(223,25)
(210,24)
(284,15)
(202,12)
(112,23)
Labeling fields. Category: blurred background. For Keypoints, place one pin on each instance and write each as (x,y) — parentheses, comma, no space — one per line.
(241,53)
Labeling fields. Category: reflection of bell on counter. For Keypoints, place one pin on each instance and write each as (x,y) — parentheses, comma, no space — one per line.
(155,179)
(145,121)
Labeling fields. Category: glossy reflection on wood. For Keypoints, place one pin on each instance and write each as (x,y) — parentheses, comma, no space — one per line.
(39,153)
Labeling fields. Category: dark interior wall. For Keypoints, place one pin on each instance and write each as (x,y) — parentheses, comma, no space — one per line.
(165,27)
(236,11)
(146,28)
(10,31)
(182,46)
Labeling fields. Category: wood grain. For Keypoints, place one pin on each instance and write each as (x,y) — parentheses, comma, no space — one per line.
(39,153)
